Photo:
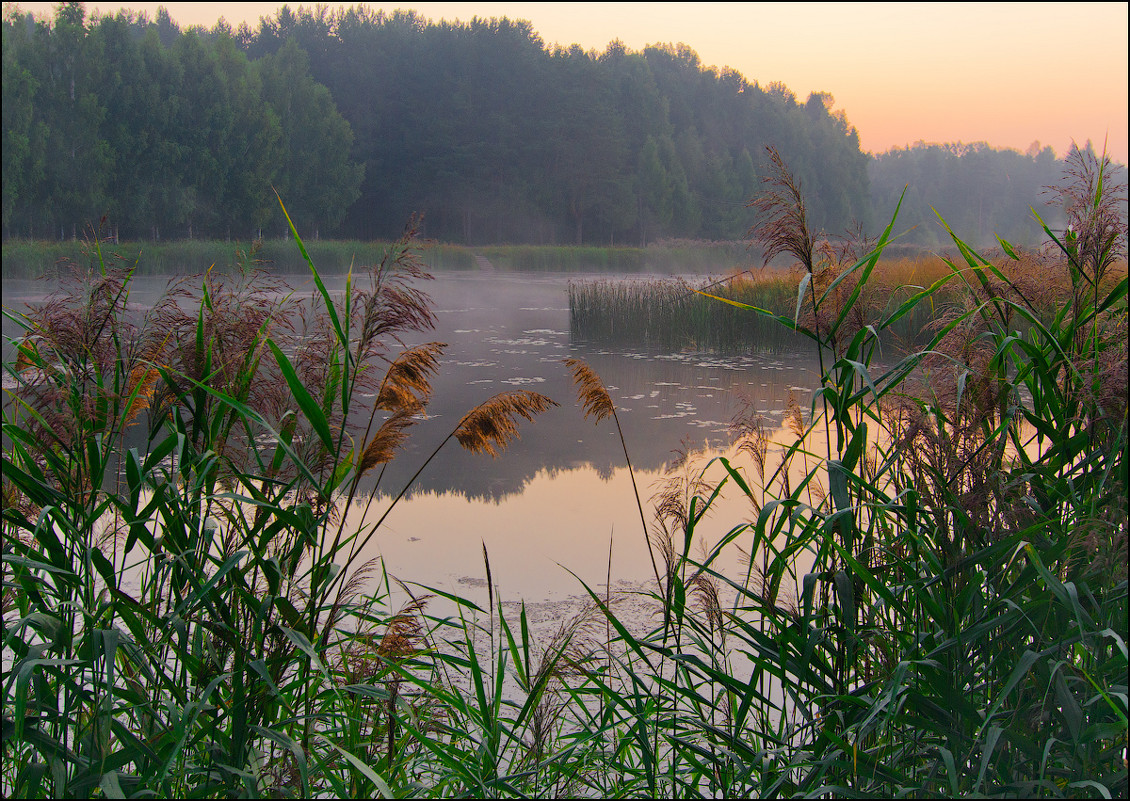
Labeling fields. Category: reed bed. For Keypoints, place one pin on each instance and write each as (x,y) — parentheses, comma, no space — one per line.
(675,314)
(937,607)
(189,257)
(670,315)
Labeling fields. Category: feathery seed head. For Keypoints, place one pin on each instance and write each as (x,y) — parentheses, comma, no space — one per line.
(491,425)
(382,447)
(407,384)
(591,394)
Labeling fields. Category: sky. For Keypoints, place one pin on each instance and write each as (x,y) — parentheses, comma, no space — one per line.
(1005,73)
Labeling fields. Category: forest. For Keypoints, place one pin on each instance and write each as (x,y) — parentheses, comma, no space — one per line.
(360,119)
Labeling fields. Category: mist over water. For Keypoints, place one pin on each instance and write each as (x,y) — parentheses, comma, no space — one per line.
(555,496)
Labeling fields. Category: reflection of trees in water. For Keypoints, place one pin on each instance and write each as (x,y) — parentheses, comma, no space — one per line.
(495,311)
(551,449)
(699,386)
(496,480)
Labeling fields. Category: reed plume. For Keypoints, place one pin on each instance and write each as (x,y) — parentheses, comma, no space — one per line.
(1093,202)
(749,432)
(404,631)
(680,483)
(784,224)
(794,417)
(385,442)
(491,426)
(404,391)
(142,382)
(591,394)
(407,383)
(24,359)
(351,589)
(566,655)
(704,590)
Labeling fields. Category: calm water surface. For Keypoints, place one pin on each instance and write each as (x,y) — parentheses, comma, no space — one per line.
(555,498)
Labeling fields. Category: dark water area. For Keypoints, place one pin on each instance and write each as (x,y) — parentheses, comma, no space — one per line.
(556,495)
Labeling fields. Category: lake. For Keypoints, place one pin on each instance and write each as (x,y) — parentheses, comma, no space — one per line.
(551,502)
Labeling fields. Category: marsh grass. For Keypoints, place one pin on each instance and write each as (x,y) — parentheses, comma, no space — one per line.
(936,606)
(672,314)
(335,257)
(939,607)
(187,617)
(189,257)
(668,315)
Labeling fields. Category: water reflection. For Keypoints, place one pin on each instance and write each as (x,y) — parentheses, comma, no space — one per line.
(558,494)
(552,502)
(511,331)
(560,529)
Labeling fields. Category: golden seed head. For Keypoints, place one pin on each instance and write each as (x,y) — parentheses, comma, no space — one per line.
(591,394)
(491,425)
(383,444)
(407,383)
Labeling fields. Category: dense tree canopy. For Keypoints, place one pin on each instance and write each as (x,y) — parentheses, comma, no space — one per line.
(360,119)
(496,137)
(163,132)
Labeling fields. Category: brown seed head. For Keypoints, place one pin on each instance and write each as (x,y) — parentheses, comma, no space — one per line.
(382,447)
(490,426)
(142,381)
(407,384)
(23,360)
(784,219)
(591,394)
(795,417)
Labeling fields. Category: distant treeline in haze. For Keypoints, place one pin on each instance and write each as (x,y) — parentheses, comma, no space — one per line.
(360,118)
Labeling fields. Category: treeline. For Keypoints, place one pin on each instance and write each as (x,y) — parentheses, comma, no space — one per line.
(488,132)
(980,190)
(360,119)
(166,133)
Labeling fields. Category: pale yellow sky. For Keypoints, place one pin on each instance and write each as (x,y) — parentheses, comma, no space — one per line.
(1005,73)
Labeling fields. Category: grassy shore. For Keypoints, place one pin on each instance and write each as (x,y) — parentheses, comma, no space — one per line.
(33,259)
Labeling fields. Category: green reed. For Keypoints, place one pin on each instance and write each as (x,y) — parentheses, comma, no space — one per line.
(939,606)
(187,257)
(178,257)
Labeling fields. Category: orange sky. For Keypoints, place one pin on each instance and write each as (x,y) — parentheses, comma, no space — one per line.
(1009,73)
